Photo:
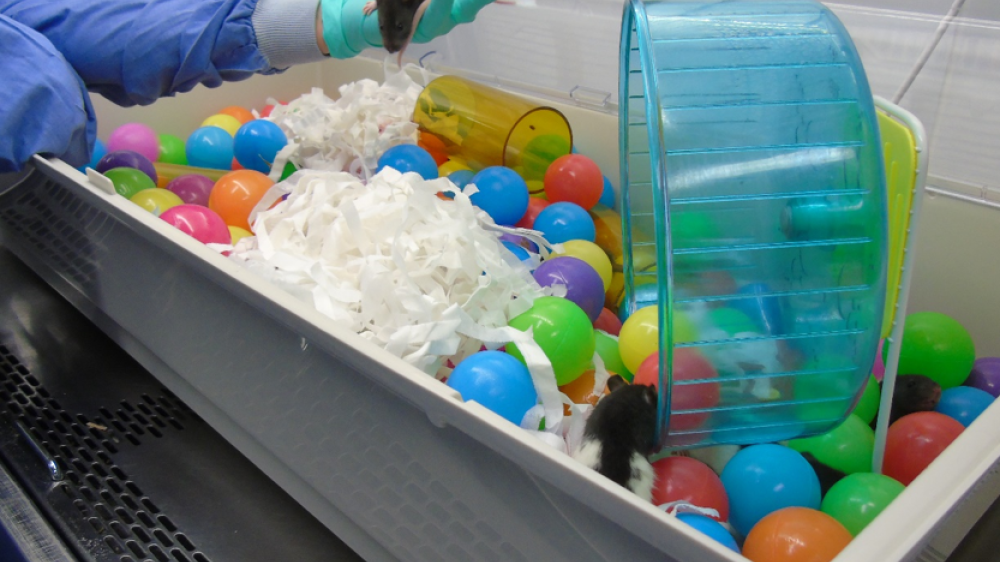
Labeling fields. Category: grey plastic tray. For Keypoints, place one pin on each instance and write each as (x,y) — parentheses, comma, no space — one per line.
(387,457)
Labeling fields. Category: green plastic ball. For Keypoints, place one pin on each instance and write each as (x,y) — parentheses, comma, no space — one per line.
(540,152)
(129,181)
(937,346)
(731,321)
(847,448)
(563,331)
(858,498)
(288,170)
(867,407)
(607,347)
(172,150)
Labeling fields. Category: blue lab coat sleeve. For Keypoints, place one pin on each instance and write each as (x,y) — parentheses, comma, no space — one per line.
(45,107)
(132,52)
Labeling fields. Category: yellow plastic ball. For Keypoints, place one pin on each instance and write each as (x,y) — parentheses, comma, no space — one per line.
(452,166)
(237,233)
(227,123)
(156,200)
(536,188)
(640,335)
(593,255)
(613,296)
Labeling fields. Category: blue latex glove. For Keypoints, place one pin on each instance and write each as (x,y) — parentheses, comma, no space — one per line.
(347,31)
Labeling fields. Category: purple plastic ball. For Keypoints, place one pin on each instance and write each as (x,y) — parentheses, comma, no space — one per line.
(127,159)
(193,189)
(986,375)
(520,241)
(583,284)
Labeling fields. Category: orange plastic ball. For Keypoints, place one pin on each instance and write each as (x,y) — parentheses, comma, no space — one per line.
(576,179)
(435,146)
(796,534)
(241,114)
(236,194)
(581,390)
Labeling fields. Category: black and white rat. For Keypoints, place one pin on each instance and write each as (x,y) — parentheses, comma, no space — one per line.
(828,476)
(619,436)
(913,393)
(397,21)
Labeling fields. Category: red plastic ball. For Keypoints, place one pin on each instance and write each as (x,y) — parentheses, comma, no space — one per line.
(690,480)
(609,322)
(914,441)
(266,112)
(535,205)
(576,179)
(689,365)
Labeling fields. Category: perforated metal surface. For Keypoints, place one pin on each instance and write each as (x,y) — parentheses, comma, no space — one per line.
(127,520)
(141,477)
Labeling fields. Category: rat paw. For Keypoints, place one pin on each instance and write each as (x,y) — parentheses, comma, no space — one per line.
(369,8)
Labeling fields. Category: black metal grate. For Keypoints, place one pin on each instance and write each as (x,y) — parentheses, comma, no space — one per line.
(115,507)
(61,227)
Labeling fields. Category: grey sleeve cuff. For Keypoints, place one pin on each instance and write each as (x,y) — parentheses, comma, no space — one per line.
(286,31)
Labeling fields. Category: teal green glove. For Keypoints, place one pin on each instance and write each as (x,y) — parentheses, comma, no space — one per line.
(348,31)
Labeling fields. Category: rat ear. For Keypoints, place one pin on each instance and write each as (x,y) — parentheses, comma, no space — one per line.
(616,382)
(650,395)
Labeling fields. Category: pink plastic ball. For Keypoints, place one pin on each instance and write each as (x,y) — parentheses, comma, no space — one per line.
(878,369)
(136,137)
(202,223)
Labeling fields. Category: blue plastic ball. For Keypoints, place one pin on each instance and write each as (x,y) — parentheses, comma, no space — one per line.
(964,403)
(518,251)
(502,194)
(100,149)
(710,527)
(257,143)
(210,147)
(409,158)
(564,221)
(496,380)
(762,479)
(608,195)
(764,311)
(461,178)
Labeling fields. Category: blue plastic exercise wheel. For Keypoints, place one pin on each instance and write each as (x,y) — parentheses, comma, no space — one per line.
(753,205)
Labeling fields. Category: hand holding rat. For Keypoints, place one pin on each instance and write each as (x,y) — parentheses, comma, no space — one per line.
(349,26)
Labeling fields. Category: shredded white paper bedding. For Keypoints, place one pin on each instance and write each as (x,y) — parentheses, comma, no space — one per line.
(425,278)
(350,133)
